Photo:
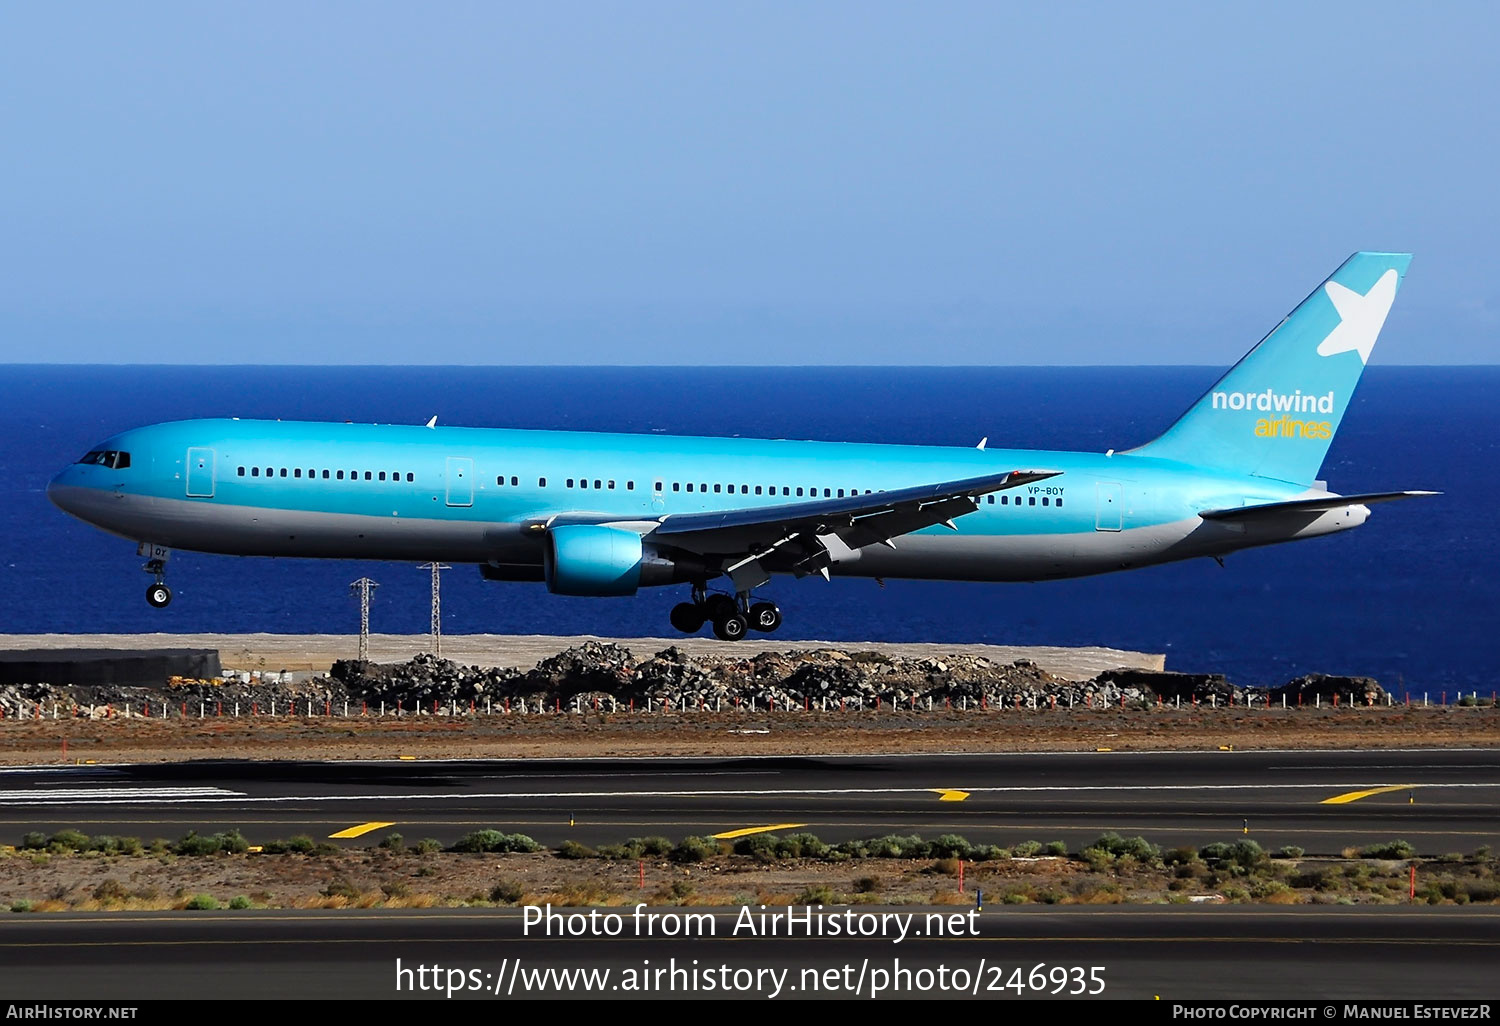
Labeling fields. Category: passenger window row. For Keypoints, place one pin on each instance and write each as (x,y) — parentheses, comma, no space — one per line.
(326,475)
(1030,500)
(787,491)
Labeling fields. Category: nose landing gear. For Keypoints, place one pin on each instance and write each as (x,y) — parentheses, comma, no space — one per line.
(732,618)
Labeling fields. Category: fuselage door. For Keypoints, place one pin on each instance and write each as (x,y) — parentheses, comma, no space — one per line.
(1109,515)
(460,481)
(200,473)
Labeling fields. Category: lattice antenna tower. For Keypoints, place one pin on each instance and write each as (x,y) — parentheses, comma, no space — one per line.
(436,627)
(364,588)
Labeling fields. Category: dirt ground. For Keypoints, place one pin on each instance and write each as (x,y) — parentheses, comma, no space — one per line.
(726,735)
(34,882)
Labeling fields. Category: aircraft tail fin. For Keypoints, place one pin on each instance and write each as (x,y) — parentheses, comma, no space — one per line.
(1275,412)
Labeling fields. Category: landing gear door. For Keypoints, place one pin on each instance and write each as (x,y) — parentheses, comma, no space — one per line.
(460,481)
(200,473)
(1109,515)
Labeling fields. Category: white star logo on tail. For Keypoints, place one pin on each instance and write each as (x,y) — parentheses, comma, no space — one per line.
(1360,316)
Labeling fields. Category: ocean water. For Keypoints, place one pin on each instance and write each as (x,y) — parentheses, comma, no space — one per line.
(1410,598)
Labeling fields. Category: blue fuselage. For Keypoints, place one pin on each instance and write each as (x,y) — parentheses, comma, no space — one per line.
(486,496)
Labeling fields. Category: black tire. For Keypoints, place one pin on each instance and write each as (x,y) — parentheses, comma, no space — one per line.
(688,618)
(765,617)
(732,627)
(159,596)
(719,606)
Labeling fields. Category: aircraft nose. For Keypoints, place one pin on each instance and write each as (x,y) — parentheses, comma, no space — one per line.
(63,492)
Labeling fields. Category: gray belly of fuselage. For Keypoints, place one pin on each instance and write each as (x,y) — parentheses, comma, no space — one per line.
(209,526)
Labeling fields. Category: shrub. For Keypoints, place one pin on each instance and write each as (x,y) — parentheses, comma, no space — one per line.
(239,902)
(301,844)
(760,847)
(988,853)
(868,885)
(229,842)
(34,841)
(110,845)
(110,889)
(1027,849)
(574,850)
(1058,848)
(1114,845)
(394,842)
(202,902)
(944,867)
(507,892)
(69,840)
(1482,890)
(427,846)
(821,894)
(1319,878)
(801,846)
(694,849)
(949,846)
(1180,856)
(898,846)
(1388,850)
(20,905)
(1290,851)
(654,845)
(493,841)
(340,887)
(396,889)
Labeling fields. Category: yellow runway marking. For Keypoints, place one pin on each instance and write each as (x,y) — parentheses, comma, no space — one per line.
(1354,796)
(948,794)
(358,830)
(730,835)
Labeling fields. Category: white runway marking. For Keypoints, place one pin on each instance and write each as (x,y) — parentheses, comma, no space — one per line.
(111,795)
(180,796)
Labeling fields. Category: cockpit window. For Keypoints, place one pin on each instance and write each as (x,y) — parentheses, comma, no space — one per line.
(115,459)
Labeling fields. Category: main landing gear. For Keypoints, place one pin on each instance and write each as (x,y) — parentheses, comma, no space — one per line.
(732,618)
(158,596)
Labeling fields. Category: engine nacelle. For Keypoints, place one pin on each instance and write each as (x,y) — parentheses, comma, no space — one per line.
(586,559)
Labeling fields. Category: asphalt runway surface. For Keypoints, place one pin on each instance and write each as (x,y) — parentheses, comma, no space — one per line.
(1323,801)
(1318,954)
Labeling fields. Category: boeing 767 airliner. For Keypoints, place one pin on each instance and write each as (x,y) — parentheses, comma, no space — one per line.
(608,514)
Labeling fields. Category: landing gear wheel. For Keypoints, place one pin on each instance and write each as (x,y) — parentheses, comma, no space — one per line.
(688,618)
(765,617)
(731,627)
(159,596)
(720,606)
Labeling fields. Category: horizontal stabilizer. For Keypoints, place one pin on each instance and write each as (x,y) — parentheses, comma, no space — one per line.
(1320,504)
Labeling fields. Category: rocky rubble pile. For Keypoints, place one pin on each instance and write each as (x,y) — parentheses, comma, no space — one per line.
(606,675)
(822,678)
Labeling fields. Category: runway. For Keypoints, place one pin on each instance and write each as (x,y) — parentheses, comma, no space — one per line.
(1322,954)
(1323,801)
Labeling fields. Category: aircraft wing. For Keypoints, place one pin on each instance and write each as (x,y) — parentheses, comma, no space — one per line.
(808,537)
(1321,504)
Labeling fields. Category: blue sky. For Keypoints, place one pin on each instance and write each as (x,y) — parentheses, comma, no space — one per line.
(654,183)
